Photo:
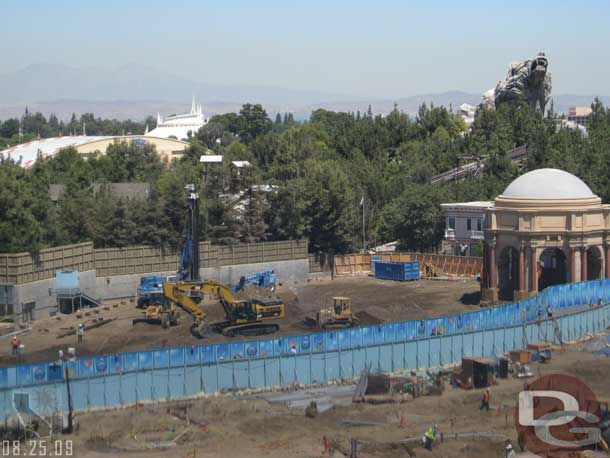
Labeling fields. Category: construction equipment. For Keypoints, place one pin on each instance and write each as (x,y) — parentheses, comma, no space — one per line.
(189,258)
(150,284)
(339,315)
(150,293)
(159,311)
(429,270)
(264,279)
(243,317)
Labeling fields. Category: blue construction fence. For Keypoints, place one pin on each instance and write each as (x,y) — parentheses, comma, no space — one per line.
(126,378)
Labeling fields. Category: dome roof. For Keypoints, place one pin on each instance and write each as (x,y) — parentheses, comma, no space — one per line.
(548,184)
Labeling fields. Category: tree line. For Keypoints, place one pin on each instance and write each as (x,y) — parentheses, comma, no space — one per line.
(308,179)
(35,125)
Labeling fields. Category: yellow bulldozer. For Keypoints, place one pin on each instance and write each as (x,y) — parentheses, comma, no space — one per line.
(159,311)
(338,315)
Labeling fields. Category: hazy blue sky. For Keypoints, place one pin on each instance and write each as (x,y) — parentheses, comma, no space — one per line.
(380,48)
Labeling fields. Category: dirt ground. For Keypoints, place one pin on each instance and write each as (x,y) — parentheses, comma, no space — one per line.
(381,300)
(233,425)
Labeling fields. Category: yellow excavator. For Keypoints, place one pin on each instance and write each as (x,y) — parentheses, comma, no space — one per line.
(243,317)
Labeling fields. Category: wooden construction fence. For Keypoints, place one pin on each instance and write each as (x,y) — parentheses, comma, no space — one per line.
(248,253)
(22,268)
(134,260)
(463,266)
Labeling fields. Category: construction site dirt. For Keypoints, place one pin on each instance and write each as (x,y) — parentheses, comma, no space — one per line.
(109,329)
(274,425)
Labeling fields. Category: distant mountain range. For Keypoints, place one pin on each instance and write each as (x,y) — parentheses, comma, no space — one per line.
(135,91)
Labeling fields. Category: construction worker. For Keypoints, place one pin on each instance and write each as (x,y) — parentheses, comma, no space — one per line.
(485,401)
(80,332)
(429,437)
(29,428)
(539,313)
(549,312)
(509,451)
(15,345)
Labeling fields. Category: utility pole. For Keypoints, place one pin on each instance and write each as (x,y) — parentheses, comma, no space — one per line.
(70,424)
(363,226)
(193,236)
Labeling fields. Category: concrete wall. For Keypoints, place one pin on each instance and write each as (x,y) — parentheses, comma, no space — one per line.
(287,272)
(42,292)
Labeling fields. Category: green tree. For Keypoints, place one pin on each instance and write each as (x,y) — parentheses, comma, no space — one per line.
(253,121)
(9,128)
(331,207)
(288,205)
(414,219)
(20,230)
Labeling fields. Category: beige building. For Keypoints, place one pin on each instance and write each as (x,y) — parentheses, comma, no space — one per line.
(579,115)
(546,228)
(167,148)
(28,153)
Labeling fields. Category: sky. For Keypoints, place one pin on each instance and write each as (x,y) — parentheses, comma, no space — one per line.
(380,48)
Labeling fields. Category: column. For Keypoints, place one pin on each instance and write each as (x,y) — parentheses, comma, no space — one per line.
(492,265)
(573,278)
(583,264)
(534,269)
(485,273)
(522,268)
(607,271)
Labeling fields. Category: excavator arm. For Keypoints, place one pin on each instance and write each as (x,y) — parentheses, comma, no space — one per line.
(242,317)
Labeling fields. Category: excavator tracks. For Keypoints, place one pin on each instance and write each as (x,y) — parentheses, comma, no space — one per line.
(250,329)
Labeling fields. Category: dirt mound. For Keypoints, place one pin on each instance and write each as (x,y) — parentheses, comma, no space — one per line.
(366,319)
(256,292)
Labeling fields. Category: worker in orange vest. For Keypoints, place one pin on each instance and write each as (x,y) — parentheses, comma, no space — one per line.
(15,345)
(485,401)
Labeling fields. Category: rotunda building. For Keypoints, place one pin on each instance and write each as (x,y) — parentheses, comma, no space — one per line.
(546,228)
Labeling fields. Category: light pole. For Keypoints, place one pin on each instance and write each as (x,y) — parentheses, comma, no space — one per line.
(363,226)
(71,357)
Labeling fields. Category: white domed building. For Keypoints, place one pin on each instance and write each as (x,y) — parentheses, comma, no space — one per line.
(546,228)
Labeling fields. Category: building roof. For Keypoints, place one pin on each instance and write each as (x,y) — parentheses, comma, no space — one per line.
(468,205)
(240,164)
(28,152)
(548,184)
